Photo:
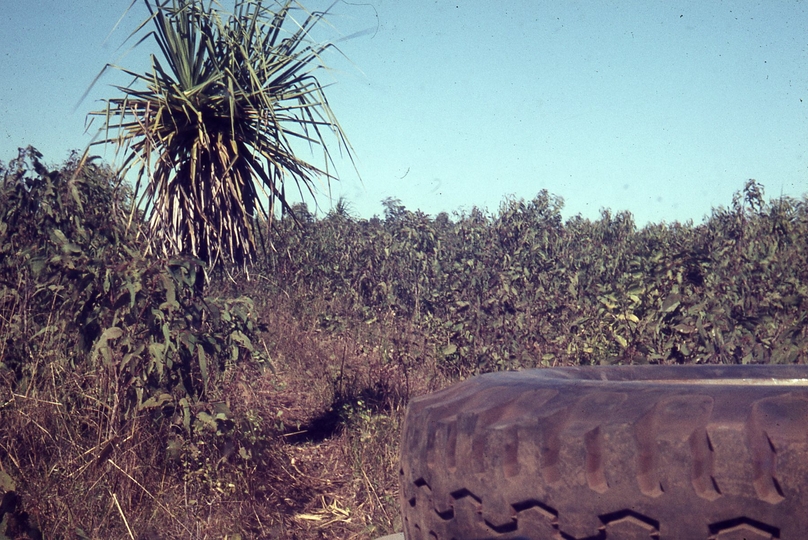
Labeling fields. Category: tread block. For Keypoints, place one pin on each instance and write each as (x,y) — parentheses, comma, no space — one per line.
(676,419)
(535,519)
(743,528)
(467,511)
(534,507)
(703,479)
(764,465)
(579,523)
(595,475)
(774,420)
(630,525)
(535,522)
(498,514)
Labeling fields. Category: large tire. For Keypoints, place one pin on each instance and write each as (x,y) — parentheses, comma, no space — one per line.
(629,452)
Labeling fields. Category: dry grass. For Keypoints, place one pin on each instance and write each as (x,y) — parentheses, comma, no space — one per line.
(312,452)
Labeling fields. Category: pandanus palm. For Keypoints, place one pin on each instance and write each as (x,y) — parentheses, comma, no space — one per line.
(211,130)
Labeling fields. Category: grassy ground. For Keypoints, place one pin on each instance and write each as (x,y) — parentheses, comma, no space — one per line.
(340,397)
(314,454)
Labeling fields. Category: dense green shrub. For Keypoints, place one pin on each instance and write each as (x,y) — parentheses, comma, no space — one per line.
(73,271)
(108,352)
(520,287)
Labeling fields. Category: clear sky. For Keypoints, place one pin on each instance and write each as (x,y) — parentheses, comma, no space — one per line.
(660,108)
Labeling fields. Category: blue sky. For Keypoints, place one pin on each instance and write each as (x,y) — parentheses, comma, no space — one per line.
(663,109)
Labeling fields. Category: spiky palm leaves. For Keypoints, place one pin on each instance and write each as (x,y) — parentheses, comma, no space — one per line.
(212,136)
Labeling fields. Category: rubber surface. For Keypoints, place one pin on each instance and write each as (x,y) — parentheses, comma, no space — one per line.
(628,452)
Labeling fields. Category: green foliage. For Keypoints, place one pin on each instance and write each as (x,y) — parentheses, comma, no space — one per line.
(75,288)
(112,354)
(520,288)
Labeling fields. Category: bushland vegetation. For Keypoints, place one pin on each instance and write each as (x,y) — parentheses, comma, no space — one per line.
(267,404)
